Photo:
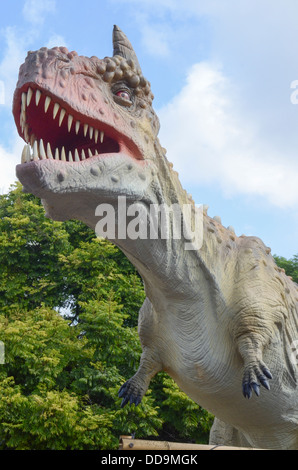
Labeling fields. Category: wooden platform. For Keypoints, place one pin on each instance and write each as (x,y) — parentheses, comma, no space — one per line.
(128,443)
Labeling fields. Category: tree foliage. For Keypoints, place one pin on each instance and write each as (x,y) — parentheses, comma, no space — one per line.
(289,265)
(68,320)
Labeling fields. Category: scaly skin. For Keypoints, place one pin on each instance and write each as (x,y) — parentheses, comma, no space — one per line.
(214,318)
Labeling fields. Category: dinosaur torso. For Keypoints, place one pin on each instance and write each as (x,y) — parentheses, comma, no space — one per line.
(218,312)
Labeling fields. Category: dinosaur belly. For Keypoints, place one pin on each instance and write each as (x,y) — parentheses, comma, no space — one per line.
(221,395)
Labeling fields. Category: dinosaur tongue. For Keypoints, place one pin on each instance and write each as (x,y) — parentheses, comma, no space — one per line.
(53,132)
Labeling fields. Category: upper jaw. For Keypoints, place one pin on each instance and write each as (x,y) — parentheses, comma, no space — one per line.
(54,130)
(78,137)
(63,100)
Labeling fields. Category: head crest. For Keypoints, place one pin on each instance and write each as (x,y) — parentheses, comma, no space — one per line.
(123,47)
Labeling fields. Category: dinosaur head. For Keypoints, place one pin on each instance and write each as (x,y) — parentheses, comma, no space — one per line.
(88,124)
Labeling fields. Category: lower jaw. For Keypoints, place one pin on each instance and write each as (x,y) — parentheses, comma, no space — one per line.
(45,175)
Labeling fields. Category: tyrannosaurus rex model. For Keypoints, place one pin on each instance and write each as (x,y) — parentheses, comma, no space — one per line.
(215,317)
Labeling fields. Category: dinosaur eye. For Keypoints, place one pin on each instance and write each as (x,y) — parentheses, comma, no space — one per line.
(124,94)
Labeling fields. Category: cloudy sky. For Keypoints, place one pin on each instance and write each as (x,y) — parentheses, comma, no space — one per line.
(225,78)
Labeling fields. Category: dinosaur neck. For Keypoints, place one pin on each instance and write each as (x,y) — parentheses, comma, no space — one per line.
(172,264)
(166,255)
(162,252)
(180,275)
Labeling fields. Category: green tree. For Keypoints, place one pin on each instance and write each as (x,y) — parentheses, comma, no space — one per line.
(57,391)
(97,270)
(37,409)
(68,313)
(30,270)
(289,265)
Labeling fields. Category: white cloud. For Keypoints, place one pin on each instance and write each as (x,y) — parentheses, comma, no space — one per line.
(155,39)
(238,134)
(18,40)
(16,49)
(34,11)
(56,40)
(9,66)
(8,161)
(209,140)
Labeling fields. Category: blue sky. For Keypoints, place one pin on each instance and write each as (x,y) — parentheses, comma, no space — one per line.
(221,72)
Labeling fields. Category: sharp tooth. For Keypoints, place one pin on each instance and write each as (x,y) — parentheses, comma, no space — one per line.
(90,153)
(102,134)
(78,124)
(55,110)
(26,133)
(35,151)
(63,156)
(29,96)
(23,119)
(96,136)
(49,151)
(37,97)
(32,139)
(85,129)
(24,155)
(70,159)
(57,154)
(29,156)
(83,155)
(22,124)
(42,152)
(91,132)
(77,157)
(62,114)
(70,119)
(47,103)
(23,116)
(24,100)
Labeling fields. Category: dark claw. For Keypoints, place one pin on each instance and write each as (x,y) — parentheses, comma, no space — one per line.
(246,389)
(264,382)
(124,402)
(121,391)
(252,378)
(128,395)
(256,388)
(131,399)
(267,373)
(136,400)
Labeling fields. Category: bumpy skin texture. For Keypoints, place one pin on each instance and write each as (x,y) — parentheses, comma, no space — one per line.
(220,320)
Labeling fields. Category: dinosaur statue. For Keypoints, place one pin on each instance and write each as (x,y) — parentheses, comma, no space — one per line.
(221,320)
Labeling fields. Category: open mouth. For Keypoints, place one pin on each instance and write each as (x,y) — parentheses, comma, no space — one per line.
(54,131)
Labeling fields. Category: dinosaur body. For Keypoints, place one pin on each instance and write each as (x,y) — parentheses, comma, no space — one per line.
(217,318)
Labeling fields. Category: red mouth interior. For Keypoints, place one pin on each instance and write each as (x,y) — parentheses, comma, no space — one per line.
(74,133)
